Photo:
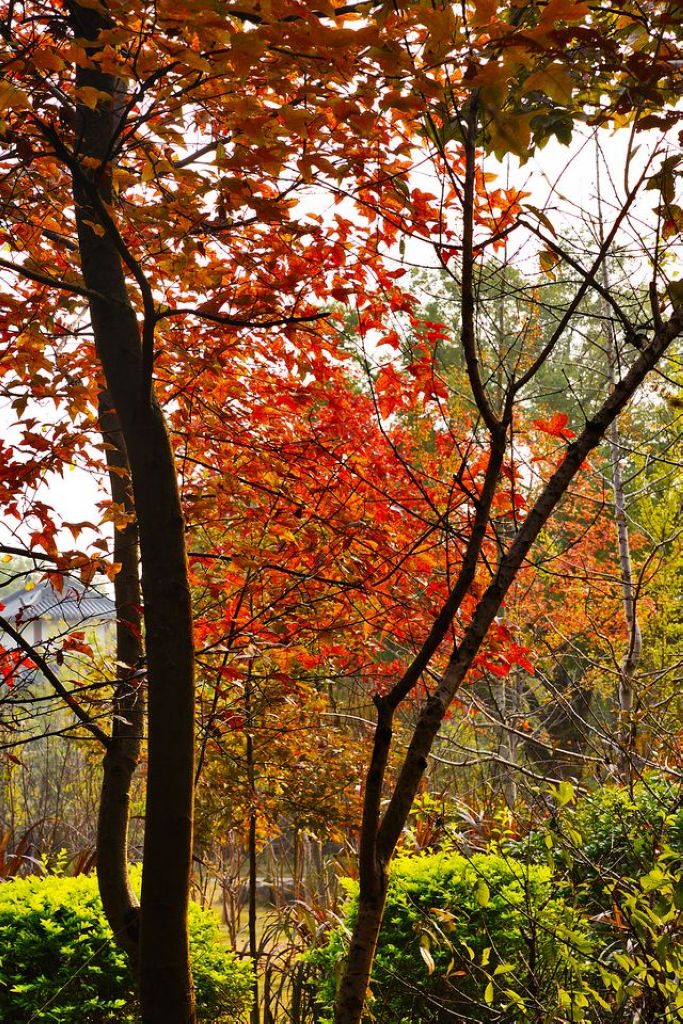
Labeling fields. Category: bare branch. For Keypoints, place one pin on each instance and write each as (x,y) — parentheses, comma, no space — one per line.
(55,682)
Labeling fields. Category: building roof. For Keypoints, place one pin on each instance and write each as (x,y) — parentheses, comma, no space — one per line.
(76,604)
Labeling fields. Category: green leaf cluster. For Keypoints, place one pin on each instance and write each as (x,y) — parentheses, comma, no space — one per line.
(582,920)
(618,851)
(609,834)
(59,963)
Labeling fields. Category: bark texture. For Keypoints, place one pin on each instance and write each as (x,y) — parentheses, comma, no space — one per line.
(120,904)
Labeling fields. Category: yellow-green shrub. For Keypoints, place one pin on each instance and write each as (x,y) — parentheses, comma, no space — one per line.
(59,963)
(485,938)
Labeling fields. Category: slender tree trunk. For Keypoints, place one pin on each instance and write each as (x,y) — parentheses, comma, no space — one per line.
(121,759)
(253,943)
(253,880)
(630,661)
(165,983)
(507,747)
(353,988)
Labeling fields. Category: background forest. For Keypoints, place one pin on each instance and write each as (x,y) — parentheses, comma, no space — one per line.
(354,694)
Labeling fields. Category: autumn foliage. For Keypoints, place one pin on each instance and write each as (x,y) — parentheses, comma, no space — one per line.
(348,506)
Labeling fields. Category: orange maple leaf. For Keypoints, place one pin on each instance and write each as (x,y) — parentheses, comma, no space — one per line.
(556,425)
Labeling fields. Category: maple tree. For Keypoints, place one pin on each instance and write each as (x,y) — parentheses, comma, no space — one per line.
(154,155)
(496,402)
(564,607)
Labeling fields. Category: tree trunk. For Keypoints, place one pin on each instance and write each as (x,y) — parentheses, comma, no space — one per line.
(565,718)
(630,661)
(165,982)
(120,904)
(353,987)
(255,1016)
(507,705)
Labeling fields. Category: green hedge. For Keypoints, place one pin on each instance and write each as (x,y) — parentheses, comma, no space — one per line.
(60,965)
(582,920)
(611,832)
(484,938)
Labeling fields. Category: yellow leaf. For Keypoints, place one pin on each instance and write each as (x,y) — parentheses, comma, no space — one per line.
(47,60)
(427,957)
(565,793)
(510,134)
(91,96)
(441,24)
(195,60)
(123,178)
(545,220)
(295,118)
(554,80)
(246,48)
(11,97)
(95,227)
(547,261)
(482,893)
(443,33)
(562,10)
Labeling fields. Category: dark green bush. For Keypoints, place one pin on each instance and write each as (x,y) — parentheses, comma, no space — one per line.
(622,832)
(478,939)
(60,965)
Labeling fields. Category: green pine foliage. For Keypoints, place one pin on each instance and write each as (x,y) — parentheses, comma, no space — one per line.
(59,963)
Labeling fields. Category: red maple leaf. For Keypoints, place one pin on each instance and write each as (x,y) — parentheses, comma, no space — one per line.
(556,425)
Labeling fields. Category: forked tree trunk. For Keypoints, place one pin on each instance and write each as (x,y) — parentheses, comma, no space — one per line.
(165,983)
(379,841)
